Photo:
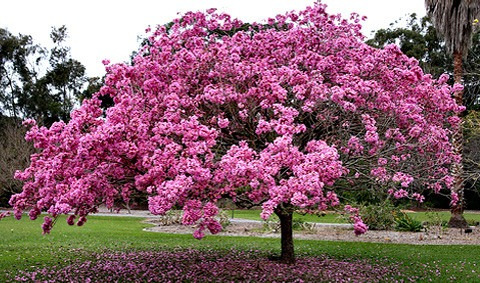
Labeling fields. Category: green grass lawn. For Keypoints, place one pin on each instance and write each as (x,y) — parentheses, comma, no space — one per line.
(23,247)
(254,214)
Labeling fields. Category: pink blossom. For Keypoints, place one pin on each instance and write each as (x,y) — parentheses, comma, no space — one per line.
(223,123)
(198,234)
(380,174)
(47,225)
(4,214)
(382,161)
(454,120)
(354,145)
(400,194)
(359,227)
(264,114)
(210,210)
(448,180)
(29,123)
(34,213)
(81,221)
(418,197)
(71,220)
(403,178)
(415,131)
(454,199)
(213,226)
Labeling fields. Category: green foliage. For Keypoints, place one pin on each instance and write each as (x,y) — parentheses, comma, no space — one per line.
(38,83)
(472,222)
(271,225)
(436,223)
(364,195)
(299,224)
(65,76)
(403,222)
(471,152)
(254,214)
(379,216)
(15,71)
(223,218)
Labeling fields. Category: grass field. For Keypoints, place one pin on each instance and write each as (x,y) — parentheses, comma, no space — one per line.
(22,247)
(253,214)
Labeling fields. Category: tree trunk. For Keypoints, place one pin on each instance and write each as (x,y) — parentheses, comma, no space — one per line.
(286,228)
(12,96)
(457,220)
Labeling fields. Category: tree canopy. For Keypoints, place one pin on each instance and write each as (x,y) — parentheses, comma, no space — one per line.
(271,114)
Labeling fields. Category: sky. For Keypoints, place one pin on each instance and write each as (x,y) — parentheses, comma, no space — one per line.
(109,29)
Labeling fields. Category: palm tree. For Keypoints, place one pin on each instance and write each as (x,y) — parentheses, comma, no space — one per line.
(453,20)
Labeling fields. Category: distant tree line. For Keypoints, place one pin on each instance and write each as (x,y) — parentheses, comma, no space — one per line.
(39,83)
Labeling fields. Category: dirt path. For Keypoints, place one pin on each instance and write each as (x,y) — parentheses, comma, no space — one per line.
(341,232)
(323,231)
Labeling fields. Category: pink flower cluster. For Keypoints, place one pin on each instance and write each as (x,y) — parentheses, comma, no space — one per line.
(358,226)
(212,108)
(4,214)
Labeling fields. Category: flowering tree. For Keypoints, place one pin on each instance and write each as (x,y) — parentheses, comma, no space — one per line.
(266,114)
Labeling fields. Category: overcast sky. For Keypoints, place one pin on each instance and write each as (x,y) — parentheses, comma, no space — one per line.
(108,29)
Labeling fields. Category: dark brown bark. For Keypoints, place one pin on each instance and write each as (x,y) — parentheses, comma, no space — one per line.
(457,220)
(286,228)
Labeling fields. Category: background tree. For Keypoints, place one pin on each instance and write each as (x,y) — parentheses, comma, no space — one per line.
(271,114)
(66,76)
(93,86)
(471,152)
(453,20)
(34,83)
(15,154)
(16,72)
(27,89)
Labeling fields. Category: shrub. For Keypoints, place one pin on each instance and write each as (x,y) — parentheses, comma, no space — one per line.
(403,222)
(301,225)
(379,216)
(435,224)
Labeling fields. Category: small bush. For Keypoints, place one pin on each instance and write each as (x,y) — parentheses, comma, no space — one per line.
(223,218)
(435,224)
(301,225)
(472,222)
(403,222)
(172,217)
(379,216)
